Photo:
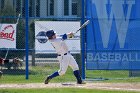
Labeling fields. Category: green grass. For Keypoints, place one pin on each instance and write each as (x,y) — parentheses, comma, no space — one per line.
(112,76)
(39,73)
(61,90)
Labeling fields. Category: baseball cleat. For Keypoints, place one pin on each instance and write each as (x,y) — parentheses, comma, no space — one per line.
(47,80)
(81,82)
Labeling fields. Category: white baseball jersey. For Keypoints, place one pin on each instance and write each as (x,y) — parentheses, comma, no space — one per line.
(64,57)
(59,45)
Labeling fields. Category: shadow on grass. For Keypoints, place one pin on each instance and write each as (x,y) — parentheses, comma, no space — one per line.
(18,72)
(13,71)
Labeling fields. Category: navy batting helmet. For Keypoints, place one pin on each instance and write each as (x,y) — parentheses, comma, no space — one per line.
(50,33)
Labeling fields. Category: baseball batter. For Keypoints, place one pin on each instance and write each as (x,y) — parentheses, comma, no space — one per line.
(64,56)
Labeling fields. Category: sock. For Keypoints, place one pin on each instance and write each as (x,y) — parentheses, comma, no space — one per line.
(77,75)
(55,74)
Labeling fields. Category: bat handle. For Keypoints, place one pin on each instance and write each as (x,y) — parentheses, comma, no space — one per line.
(77,31)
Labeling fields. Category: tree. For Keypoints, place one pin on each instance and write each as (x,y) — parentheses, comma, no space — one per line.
(6,12)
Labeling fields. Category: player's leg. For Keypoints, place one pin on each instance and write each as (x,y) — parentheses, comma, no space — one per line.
(73,64)
(64,63)
(55,74)
(63,67)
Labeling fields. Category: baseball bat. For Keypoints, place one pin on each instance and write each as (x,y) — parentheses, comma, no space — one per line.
(81,27)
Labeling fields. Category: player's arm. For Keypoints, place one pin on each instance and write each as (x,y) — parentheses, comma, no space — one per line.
(68,35)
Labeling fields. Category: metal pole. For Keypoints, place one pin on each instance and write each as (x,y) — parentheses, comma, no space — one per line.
(27,48)
(18,19)
(83,40)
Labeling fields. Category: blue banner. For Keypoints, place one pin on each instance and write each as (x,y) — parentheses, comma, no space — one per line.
(113,34)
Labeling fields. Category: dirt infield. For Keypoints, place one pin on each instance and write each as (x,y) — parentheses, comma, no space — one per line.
(103,86)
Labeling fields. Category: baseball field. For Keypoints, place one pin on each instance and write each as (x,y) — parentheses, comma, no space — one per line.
(112,82)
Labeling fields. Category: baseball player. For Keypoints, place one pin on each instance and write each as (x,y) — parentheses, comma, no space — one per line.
(64,56)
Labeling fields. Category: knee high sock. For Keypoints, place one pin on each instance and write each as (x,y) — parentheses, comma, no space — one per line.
(55,74)
(77,75)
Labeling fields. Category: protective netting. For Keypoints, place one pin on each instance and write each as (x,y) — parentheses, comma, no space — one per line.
(102,45)
(42,63)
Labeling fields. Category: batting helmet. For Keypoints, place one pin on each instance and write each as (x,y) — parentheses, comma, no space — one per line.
(50,33)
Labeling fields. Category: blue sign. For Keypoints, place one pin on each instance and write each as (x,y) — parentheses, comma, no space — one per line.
(113,34)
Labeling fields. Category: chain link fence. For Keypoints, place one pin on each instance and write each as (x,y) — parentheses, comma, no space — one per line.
(41,62)
(13,60)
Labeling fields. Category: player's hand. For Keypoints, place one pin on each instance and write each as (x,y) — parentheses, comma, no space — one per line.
(71,35)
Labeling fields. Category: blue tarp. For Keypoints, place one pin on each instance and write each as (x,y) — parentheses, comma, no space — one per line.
(113,35)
